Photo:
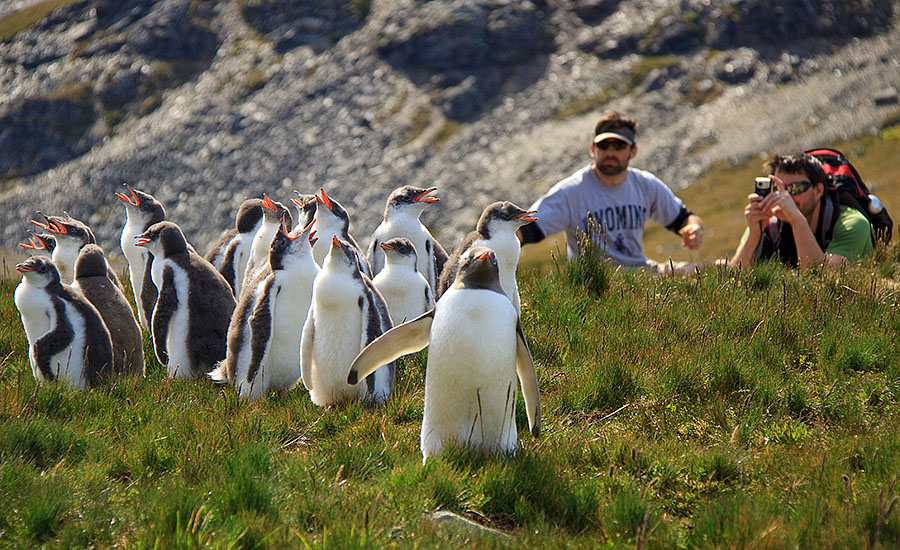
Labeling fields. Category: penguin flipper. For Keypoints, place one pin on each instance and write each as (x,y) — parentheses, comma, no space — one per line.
(440,257)
(528,380)
(376,259)
(53,342)
(148,292)
(306,350)
(409,337)
(166,304)
(260,330)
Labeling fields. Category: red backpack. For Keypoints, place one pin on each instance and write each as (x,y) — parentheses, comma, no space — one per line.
(851,190)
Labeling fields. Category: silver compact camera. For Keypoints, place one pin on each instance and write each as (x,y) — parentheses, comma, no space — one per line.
(763,186)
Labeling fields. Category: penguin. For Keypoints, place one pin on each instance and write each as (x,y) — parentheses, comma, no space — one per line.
(496,230)
(67,338)
(92,281)
(141,211)
(346,313)
(306,209)
(41,243)
(333,220)
(273,213)
(405,290)
(401,219)
(264,333)
(70,236)
(477,350)
(229,255)
(190,320)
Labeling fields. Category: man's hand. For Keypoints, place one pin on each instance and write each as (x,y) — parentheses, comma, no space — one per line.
(692,232)
(780,204)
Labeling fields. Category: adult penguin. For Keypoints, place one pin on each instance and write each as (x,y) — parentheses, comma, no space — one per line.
(405,290)
(40,243)
(230,254)
(401,219)
(141,211)
(346,313)
(273,214)
(496,230)
(92,281)
(71,236)
(264,333)
(306,209)
(476,352)
(332,220)
(195,303)
(67,338)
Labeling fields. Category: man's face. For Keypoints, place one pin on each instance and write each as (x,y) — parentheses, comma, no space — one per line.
(611,156)
(807,200)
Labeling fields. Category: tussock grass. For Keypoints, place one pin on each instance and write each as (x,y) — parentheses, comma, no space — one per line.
(720,409)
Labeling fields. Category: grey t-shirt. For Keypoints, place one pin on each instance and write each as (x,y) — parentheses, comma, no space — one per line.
(622,210)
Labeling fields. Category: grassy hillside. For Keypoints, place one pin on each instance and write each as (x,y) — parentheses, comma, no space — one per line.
(723,410)
(720,195)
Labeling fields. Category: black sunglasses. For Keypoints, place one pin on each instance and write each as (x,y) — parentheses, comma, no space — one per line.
(616,144)
(797,187)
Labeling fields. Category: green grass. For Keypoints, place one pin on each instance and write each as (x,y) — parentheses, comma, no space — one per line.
(19,20)
(720,410)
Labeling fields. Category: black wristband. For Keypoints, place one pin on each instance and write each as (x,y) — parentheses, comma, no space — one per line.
(531,233)
(680,220)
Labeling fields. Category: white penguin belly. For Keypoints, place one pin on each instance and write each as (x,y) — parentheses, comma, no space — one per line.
(282,359)
(336,344)
(404,294)
(179,363)
(136,257)
(68,364)
(470,379)
(36,310)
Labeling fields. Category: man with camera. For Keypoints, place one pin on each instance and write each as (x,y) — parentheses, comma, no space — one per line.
(619,199)
(794,216)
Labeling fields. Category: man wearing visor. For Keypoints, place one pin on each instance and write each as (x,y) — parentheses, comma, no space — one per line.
(618,198)
(801,221)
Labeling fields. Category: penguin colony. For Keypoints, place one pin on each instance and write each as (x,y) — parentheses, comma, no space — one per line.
(274,304)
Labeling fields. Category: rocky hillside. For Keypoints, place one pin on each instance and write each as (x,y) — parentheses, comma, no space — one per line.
(204,103)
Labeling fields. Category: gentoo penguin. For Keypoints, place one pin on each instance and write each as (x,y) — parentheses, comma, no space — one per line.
(333,220)
(70,236)
(345,314)
(141,211)
(232,251)
(496,230)
(273,214)
(306,209)
(477,349)
(405,290)
(401,219)
(41,243)
(190,319)
(67,339)
(91,279)
(264,334)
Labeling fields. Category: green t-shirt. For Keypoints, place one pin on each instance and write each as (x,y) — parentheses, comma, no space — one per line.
(852,235)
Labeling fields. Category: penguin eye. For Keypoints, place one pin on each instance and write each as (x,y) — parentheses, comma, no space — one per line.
(42,268)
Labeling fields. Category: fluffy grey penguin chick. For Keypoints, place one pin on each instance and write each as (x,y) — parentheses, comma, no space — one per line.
(67,338)
(92,280)
(190,320)
(264,334)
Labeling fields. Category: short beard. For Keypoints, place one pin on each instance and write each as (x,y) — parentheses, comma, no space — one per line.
(610,170)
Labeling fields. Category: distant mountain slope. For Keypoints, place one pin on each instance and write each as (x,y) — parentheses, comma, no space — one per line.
(204,103)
